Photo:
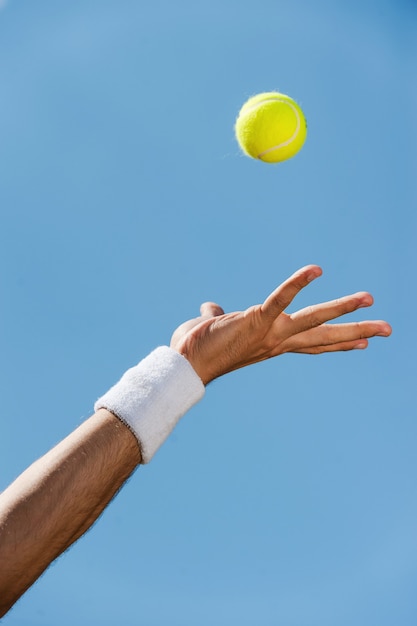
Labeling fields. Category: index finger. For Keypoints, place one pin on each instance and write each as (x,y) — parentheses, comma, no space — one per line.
(283,295)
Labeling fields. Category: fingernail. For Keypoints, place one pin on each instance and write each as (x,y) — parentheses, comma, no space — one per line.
(368,301)
(361,346)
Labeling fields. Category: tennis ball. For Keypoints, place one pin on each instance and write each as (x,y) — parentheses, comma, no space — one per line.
(271,127)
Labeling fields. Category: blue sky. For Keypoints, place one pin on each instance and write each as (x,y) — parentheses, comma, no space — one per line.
(288,495)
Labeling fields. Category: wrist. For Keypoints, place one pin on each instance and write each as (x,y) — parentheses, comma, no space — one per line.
(188,351)
(151,397)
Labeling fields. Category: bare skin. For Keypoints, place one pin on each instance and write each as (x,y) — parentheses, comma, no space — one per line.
(217,343)
(57,499)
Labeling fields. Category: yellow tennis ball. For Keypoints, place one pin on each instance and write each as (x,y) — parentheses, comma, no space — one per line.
(271,127)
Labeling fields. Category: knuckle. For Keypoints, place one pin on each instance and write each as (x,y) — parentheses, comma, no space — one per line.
(313,318)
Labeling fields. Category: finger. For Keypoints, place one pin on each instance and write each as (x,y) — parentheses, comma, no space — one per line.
(345,346)
(279,299)
(318,314)
(334,334)
(211,309)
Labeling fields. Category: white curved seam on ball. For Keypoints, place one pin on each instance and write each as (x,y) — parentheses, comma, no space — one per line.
(290,140)
(256,105)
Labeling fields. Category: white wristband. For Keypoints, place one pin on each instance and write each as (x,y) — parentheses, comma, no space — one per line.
(151,397)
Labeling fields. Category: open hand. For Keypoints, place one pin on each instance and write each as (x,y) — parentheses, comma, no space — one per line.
(217,343)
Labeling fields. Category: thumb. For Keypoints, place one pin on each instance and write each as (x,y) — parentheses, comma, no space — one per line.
(211,309)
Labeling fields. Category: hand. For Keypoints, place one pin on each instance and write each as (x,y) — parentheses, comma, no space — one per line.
(217,343)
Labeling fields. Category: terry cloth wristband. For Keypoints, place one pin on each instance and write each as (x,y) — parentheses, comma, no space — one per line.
(151,397)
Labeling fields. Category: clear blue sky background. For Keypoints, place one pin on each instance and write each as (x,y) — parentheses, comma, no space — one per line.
(288,496)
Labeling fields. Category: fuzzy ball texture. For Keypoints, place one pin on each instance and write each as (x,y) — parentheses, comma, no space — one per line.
(271,127)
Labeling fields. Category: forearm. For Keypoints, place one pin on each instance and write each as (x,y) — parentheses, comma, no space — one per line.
(62,495)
